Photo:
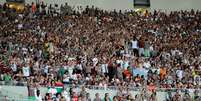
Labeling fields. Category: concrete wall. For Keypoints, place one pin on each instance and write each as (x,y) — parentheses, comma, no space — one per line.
(20,92)
(172,5)
(169,5)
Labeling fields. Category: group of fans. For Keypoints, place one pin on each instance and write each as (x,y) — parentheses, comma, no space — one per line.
(93,47)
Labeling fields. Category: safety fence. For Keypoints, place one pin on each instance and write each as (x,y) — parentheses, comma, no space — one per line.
(16,92)
(130,88)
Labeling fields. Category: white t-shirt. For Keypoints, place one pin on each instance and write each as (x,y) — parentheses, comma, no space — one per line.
(74,77)
(39,98)
(46,69)
(104,68)
(20,26)
(26,71)
(24,50)
(66,79)
(134,44)
(66,95)
(121,62)
(147,64)
(70,70)
(14,67)
(51,47)
(79,66)
(151,48)
(95,61)
(179,74)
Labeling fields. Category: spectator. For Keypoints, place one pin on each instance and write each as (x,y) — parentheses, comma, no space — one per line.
(135,46)
(115,98)
(33,7)
(97,98)
(83,92)
(107,98)
(38,95)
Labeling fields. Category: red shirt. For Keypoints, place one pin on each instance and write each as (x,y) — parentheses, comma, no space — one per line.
(127,73)
(152,88)
(59,84)
(75,98)
(141,44)
(33,8)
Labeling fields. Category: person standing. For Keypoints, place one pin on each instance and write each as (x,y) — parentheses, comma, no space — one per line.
(38,95)
(107,98)
(147,48)
(33,7)
(97,98)
(141,46)
(31,90)
(88,97)
(134,44)
(26,70)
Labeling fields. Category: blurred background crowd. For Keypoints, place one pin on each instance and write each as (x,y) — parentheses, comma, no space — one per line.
(53,46)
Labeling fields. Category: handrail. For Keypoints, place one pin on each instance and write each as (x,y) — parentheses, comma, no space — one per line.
(133,88)
(104,88)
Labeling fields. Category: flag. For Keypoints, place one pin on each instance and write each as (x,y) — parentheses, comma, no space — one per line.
(54,90)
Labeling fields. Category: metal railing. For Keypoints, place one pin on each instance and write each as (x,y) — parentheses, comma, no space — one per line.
(17,83)
(112,90)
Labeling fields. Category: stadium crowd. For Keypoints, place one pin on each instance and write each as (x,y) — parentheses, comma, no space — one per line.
(93,47)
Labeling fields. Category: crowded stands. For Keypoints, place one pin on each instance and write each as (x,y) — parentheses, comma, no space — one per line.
(53,47)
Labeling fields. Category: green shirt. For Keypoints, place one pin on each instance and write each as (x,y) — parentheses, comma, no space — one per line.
(62,71)
(7,77)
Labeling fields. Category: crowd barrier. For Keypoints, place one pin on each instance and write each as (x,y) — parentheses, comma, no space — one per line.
(16,83)
(15,91)
(10,99)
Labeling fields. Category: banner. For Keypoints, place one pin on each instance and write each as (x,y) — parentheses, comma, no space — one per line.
(55,90)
